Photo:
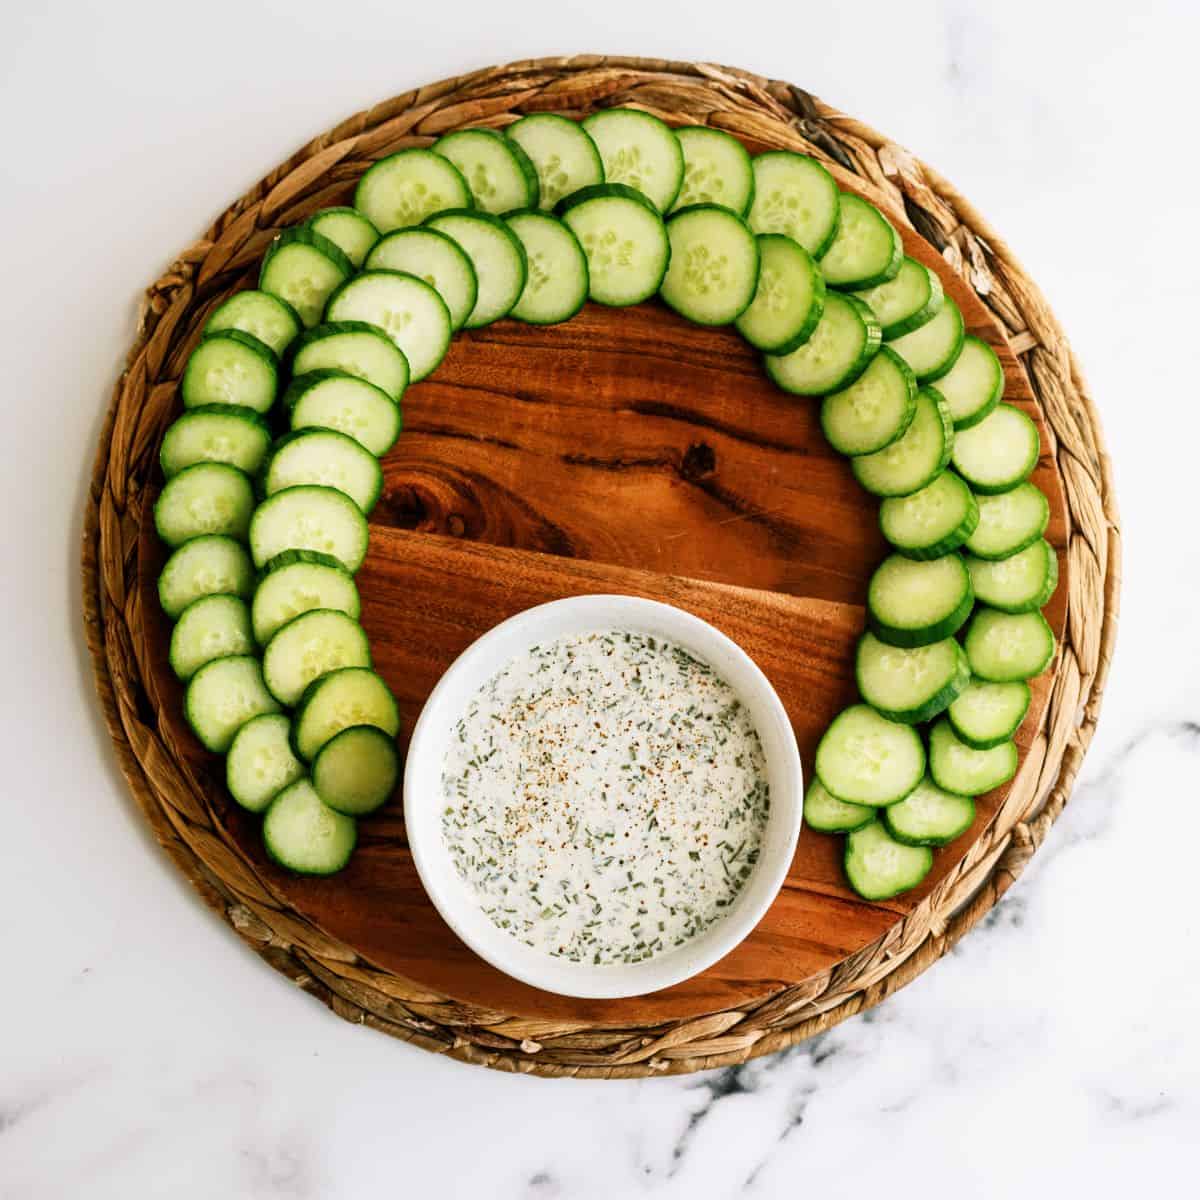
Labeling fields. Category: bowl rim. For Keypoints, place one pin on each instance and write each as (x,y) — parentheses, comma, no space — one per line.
(487,655)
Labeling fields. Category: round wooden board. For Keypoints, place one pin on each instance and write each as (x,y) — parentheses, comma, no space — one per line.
(627,451)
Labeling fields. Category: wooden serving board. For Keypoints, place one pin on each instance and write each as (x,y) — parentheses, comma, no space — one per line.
(626,451)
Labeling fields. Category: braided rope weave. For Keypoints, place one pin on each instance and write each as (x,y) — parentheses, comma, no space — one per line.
(322,173)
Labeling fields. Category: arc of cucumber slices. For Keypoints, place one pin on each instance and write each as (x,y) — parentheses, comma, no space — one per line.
(295,388)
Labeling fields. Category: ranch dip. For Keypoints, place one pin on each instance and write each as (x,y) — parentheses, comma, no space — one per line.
(605,797)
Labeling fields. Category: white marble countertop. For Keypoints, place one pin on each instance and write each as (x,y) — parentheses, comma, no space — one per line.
(144,1052)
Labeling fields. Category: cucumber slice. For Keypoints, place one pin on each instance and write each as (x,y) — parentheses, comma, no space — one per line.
(933,521)
(404,307)
(911,603)
(624,239)
(304,268)
(327,459)
(211,627)
(864,758)
(222,696)
(224,433)
(556,284)
(348,230)
(1002,647)
(987,714)
(267,318)
(795,195)
(716,170)
(1009,521)
(974,385)
(1021,583)
(839,350)
(905,303)
(866,250)
(310,646)
(498,172)
(713,270)
(211,565)
(356,771)
(339,700)
(497,258)
(306,836)
(563,155)
(298,581)
(347,404)
(231,368)
(929,816)
(407,187)
(933,349)
(827,814)
(204,499)
(308,518)
(639,151)
(789,299)
(875,410)
(358,349)
(260,763)
(878,867)
(998,453)
(910,685)
(958,768)
(916,458)
(436,258)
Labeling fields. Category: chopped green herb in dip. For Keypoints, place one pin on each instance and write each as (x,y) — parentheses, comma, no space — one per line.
(605,797)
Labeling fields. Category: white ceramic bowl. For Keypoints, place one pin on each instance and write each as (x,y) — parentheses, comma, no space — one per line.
(481,660)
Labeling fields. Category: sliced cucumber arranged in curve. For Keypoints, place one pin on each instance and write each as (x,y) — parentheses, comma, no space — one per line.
(497,257)
(209,565)
(497,170)
(998,453)
(232,368)
(434,257)
(356,771)
(407,187)
(640,151)
(272,321)
(933,349)
(327,459)
(929,816)
(306,836)
(863,758)
(875,411)
(562,153)
(974,385)
(933,521)
(348,230)
(958,768)
(716,170)
(986,714)
(913,603)
(260,762)
(339,700)
(827,814)
(788,300)
(624,239)
(206,498)
(336,400)
(713,270)
(556,281)
(866,250)
(1017,584)
(226,433)
(358,349)
(840,348)
(304,268)
(211,627)
(309,646)
(878,867)
(910,685)
(298,581)
(309,518)
(222,696)
(906,302)
(916,458)
(1009,521)
(795,195)
(1003,647)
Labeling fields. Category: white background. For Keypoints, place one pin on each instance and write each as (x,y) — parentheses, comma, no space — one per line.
(145,1053)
